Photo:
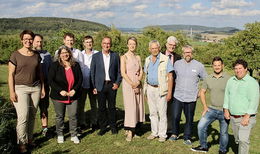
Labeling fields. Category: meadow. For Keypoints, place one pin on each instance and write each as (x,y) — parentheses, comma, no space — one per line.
(92,143)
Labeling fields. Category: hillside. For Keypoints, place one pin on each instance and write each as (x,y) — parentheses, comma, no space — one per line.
(197,28)
(47,24)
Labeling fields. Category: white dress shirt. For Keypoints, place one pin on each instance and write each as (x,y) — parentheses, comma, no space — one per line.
(86,68)
(106,59)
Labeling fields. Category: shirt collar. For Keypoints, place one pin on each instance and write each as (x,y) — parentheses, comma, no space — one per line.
(167,53)
(222,75)
(243,79)
(157,57)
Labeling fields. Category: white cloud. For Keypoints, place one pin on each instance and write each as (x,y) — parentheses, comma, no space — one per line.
(222,12)
(140,14)
(197,6)
(177,6)
(140,7)
(231,3)
(105,14)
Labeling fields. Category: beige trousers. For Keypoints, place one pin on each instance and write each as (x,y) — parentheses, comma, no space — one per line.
(157,107)
(26,108)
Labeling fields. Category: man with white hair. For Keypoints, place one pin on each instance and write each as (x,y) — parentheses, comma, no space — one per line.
(158,86)
(171,45)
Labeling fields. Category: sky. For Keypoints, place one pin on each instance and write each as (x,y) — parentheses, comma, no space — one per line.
(140,13)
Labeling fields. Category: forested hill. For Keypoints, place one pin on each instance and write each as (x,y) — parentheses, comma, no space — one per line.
(47,24)
(198,28)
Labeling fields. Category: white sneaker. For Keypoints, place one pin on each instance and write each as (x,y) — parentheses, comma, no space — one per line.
(60,139)
(75,139)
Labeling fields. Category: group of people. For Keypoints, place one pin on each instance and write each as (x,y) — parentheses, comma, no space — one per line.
(171,84)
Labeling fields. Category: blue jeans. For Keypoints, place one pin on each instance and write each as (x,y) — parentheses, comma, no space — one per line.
(206,120)
(189,109)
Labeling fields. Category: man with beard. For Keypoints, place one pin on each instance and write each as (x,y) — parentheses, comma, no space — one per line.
(45,64)
(188,72)
(215,83)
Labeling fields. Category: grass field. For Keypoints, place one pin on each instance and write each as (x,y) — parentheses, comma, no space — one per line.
(92,143)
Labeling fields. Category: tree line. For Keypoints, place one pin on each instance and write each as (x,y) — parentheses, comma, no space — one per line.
(243,44)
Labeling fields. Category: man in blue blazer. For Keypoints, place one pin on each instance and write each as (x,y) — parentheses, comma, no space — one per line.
(106,78)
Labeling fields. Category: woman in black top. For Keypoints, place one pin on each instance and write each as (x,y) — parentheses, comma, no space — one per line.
(65,79)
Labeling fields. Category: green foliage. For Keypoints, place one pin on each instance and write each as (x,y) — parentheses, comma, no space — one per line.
(246,45)
(47,25)
(7,127)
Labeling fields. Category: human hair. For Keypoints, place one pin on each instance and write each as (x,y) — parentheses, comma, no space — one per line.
(241,62)
(172,38)
(109,39)
(154,41)
(187,47)
(88,37)
(71,59)
(69,35)
(29,32)
(133,39)
(39,35)
(217,59)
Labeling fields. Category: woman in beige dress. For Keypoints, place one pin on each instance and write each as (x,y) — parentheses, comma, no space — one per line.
(132,72)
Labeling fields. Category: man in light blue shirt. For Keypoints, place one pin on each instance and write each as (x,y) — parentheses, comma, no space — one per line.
(158,86)
(87,87)
(188,73)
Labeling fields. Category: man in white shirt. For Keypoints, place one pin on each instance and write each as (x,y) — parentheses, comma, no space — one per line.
(87,87)
(69,40)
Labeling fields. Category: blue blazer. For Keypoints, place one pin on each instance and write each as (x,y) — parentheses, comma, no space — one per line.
(97,70)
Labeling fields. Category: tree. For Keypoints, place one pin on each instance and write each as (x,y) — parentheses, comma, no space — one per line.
(246,45)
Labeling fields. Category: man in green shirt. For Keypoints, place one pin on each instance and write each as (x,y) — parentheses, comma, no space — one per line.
(240,104)
(215,84)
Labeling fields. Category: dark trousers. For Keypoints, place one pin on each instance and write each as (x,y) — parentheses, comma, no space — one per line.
(107,99)
(189,109)
(60,109)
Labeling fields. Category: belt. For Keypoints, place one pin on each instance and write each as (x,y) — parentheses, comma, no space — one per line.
(107,81)
(155,86)
(240,116)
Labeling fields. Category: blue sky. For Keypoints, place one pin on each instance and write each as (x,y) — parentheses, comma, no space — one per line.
(139,13)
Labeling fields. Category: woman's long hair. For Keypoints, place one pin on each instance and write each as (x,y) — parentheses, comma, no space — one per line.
(71,59)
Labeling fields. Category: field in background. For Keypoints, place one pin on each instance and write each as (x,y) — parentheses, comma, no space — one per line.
(92,143)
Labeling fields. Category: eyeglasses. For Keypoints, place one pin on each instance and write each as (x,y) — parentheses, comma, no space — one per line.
(26,39)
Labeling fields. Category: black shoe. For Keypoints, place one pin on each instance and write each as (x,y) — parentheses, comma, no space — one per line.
(114,131)
(200,149)
(94,127)
(222,152)
(101,132)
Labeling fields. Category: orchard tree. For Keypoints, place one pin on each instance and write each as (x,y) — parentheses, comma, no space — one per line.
(246,45)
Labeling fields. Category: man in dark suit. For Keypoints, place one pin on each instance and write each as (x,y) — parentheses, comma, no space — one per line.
(106,77)
(170,47)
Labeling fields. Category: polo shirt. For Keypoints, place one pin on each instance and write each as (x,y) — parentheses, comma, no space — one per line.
(216,87)
(241,96)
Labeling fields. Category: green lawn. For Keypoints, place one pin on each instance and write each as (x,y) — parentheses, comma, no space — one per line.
(92,143)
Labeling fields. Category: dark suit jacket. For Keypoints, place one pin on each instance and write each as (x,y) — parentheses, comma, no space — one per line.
(97,70)
(175,58)
(58,82)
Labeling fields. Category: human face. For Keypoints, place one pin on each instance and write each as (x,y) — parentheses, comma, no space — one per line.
(68,41)
(37,43)
(187,54)
(217,67)
(170,46)
(64,55)
(106,44)
(27,41)
(154,49)
(240,71)
(88,44)
(131,45)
